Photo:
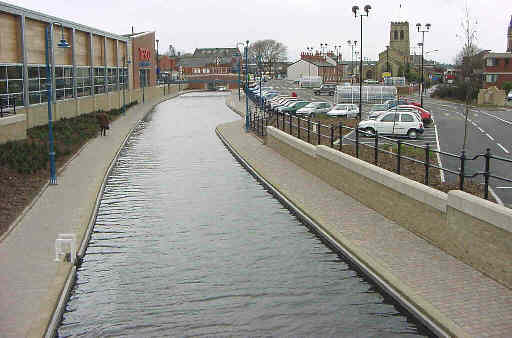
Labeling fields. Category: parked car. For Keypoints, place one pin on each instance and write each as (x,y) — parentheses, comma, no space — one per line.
(287,104)
(292,108)
(394,123)
(326,88)
(284,103)
(344,110)
(509,97)
(426,117)
(279,101)
(315,108)
(378,107)
(403,101)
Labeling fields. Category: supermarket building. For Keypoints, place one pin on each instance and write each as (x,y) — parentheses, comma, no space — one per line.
(92,74)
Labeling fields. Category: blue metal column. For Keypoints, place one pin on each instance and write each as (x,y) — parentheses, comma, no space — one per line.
(53,178)
(247,119)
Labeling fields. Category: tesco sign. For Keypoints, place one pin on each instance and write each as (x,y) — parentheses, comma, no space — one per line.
(144,54)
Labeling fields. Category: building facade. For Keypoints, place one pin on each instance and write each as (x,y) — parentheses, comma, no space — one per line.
(497,67)
(328,66)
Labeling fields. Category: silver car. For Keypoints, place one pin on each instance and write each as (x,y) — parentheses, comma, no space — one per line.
(344,110)
(315,108)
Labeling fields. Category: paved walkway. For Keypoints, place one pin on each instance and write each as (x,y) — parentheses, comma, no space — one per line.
(458,297)
(30,280)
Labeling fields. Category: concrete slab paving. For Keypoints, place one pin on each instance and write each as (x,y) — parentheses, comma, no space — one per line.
(457,297)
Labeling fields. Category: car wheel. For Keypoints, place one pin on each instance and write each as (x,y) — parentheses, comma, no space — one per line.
(370,132)
(412,134)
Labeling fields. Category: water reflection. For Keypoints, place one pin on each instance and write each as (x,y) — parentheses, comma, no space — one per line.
(188,243)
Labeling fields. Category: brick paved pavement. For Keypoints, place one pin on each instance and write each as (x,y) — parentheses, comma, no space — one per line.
(454,294)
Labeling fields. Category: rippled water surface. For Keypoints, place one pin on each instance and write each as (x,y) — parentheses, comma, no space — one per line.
(187,243)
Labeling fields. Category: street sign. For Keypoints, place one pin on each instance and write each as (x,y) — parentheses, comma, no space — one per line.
(386,74)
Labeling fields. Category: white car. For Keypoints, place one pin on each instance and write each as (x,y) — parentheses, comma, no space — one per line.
(315,108)
(344,110)
(509,97)
(394,123)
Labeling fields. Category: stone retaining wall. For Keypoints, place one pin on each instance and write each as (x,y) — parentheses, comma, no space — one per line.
(473,230)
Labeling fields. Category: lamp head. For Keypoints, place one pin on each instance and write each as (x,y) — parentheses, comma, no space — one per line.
(428,26)
(367,9)
(63,44)
(355,9)
(349,42)
(247,42)
(418,25)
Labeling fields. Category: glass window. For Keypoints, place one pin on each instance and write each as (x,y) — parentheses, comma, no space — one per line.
(11,85)
(33,72)
(407,118)
(15,72)
(388,118)
(3,73)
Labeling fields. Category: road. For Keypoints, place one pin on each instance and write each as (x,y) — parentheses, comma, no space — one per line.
(487,128)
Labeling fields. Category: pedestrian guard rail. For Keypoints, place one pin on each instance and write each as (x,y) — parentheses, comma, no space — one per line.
(335,136)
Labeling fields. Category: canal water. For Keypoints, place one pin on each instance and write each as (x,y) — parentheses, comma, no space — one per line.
(187,243)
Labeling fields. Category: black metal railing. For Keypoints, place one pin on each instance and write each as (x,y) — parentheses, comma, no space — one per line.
(334,136)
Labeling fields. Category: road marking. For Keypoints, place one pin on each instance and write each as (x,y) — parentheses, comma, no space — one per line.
(502,147)
(503,187)
(489,136)
(481,130)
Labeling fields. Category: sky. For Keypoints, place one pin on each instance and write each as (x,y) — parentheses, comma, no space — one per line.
(190,24)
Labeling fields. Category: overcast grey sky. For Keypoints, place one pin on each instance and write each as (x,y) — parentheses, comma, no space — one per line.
(190,24)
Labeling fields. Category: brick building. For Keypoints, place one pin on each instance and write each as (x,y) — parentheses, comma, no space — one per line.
(498,66)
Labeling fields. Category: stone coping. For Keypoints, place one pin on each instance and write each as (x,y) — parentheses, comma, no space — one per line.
(6,120)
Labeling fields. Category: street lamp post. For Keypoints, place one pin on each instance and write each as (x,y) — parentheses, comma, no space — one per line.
(49,81)
(338,53)
(125,82)
(247,118)
(355,9)
(239,55)
(310,50)
(157,63)
(387,59)
(422,31)
(352,45)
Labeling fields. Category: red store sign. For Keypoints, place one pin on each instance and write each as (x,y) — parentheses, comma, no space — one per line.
(144,54)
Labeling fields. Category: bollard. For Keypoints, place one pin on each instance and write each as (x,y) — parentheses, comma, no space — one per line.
(332,136)
(341,135)
(461,173)
(398,155)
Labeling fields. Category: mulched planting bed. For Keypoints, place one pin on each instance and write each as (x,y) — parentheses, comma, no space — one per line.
(24,164)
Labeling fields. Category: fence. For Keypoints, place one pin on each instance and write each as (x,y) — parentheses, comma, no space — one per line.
(333,136)
(370,94)
(4,105)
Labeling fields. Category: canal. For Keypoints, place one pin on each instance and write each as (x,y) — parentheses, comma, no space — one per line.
(187,243)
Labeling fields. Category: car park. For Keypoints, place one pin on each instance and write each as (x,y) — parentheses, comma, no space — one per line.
(344,110)
(315,108)
(394,123)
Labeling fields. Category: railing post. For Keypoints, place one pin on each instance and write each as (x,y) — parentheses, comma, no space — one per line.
(357,142)
(332,136)
(284,125)
(487,173)
(298,127)
(376,146)
(427,163)
(462,167)
(309,129)
(398,155)
(341,135)
(277,121)
(291,133)
(318,132)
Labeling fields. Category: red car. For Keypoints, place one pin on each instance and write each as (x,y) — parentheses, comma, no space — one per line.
(411,102)
(426,117)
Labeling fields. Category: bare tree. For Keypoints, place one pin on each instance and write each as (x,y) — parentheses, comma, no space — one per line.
(268,52)
(468,62)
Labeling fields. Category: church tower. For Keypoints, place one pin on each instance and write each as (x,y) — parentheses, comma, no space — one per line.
(399,37)
(509,45)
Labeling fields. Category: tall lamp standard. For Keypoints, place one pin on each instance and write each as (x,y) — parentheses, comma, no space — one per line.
(157,62)
(239,55)
(247,119)
(310,50)
(338,53)
(387,59)
(352,45)
(125,81)
(62,44)
(261,75)
(422,31)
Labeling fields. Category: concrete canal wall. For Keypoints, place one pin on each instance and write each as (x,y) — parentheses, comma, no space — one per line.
(475,231)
